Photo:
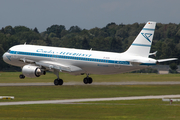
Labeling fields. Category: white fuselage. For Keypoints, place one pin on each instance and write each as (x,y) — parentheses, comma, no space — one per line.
(90,61)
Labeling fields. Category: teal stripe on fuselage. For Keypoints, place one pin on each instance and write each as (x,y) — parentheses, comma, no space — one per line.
(148,64)
(70,57)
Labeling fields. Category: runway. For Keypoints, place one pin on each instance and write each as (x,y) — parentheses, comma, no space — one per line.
(69,101)
(87,100)
(94,83)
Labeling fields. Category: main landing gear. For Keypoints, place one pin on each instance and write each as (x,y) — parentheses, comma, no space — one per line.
(58,81)
(87,80)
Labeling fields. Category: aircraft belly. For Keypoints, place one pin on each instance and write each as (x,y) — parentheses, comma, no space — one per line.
(105,68)
(112,70)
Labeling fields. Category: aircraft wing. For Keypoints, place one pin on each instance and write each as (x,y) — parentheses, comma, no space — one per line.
(58,66)
(53,65)
(26,60)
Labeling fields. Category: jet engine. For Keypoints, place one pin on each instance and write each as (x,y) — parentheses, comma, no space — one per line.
(32,71)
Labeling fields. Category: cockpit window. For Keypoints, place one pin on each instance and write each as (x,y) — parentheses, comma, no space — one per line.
(9,51)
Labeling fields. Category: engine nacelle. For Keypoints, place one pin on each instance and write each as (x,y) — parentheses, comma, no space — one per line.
(32,71)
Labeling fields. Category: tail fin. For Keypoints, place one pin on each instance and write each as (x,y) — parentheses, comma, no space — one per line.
(142,44)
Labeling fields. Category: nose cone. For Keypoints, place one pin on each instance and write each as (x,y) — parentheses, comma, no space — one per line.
(6,58)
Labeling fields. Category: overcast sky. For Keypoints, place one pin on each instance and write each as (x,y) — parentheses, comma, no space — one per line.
(86,14)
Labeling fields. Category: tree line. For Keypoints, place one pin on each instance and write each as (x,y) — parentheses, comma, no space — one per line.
(112,37)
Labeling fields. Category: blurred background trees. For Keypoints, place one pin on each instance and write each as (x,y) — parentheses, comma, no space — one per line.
(112,37)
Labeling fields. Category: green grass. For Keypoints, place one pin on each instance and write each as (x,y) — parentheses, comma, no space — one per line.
(13,77)
(153,109)
(118,110)
(29,93)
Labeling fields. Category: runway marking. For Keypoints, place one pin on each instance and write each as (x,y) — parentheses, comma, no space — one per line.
(87,100)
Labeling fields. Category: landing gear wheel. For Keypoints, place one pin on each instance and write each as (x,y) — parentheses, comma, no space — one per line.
(21,76)
(90,80)
(58,82)
(87,80)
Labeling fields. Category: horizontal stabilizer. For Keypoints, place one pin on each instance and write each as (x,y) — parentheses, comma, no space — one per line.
(154,53)
(165,60)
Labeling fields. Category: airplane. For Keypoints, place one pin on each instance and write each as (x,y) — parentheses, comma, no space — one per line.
(35,60)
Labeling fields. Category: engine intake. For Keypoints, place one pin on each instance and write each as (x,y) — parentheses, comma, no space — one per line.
(32,71)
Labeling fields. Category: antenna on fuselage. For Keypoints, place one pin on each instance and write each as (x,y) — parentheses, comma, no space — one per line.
(91,49)
(25,43)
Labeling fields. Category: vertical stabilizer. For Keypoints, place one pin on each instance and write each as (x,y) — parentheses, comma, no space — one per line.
(142,44)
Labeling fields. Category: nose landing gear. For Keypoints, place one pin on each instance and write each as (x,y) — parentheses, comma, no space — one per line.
(21,76)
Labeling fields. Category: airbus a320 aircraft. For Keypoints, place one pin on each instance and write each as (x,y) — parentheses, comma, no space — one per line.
(36,60)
